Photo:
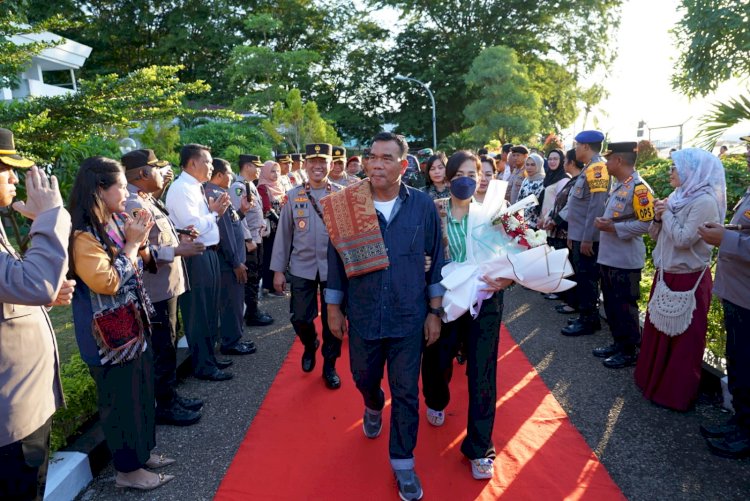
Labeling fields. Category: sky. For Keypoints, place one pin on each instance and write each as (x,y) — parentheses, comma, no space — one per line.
(638,81)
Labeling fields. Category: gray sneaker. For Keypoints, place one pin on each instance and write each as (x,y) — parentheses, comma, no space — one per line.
(409,487)
(372,423)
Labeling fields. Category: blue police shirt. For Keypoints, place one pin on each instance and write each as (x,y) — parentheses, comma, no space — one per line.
(393,302)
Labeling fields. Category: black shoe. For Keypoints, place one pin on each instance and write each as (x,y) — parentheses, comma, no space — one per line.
(572,321)
(223,364)
(308,357)
(620,360)
(606,351)
(735,445)
(582,328)
(241,348)
(191,404)
(216,375)
(332,379)
(176,415)
(720,430)
(258,320)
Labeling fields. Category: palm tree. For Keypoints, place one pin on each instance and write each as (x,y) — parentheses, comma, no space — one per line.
(715,123)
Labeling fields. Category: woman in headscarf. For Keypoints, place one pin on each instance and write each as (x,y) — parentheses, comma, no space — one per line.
(669,367)
(532,185)
(271,193)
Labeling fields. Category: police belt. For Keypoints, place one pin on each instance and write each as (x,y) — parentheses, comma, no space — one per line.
(625,217)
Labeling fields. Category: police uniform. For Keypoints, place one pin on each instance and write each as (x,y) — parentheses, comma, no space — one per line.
(622,255)
(301,246)
(287,180)
(732,285)
(516,177)
(252,225)
(231,254)
(586,202)
(300,176)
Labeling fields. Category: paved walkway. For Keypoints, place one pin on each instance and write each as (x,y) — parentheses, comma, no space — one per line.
(651,452)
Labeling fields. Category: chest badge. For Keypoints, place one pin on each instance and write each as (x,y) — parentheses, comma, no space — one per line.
(302,224)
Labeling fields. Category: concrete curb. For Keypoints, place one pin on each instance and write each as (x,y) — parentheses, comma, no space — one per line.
(71,470)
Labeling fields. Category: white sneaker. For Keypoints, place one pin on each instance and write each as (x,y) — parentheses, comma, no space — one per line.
(435,418)
(481,469)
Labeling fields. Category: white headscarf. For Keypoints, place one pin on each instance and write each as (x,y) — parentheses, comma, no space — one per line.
(700,172)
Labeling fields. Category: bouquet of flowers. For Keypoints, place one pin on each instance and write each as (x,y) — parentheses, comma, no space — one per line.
(500,244)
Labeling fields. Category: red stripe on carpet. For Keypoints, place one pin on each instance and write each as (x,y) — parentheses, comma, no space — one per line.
(306,443)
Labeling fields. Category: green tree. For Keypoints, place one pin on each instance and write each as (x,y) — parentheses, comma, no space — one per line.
(506,108)
(295,123)
(715,44)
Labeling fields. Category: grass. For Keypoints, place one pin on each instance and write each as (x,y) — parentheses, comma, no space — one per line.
(62,322)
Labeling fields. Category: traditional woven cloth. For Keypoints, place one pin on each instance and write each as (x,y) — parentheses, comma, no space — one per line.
(353,228)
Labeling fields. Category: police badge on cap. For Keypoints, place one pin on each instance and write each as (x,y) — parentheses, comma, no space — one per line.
(318,150)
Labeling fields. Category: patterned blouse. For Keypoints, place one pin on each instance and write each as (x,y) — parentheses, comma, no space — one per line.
(435,194)
(531,187)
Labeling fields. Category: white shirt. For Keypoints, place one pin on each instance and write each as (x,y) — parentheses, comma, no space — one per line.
(187,206)
(385,208)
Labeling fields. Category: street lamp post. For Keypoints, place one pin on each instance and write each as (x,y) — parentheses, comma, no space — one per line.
(432,98)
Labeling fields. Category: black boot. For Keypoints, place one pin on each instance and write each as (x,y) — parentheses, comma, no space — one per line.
(332,379)
(308,357)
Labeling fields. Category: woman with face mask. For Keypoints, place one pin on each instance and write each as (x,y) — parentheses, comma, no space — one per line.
(477,337)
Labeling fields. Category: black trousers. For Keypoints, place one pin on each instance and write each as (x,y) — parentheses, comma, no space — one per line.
(570,296)
(480,338)
(303,308)
(231,298)
(254,263)
(265,272)
(126,410)
(163,337)
(736,321)
(23,475)
(200,306)
(402,354)
(621,290)
(587,278)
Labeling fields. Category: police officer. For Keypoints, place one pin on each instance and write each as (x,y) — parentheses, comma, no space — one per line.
(286,178)
(732,285)
(252,227)
(298,159)
(144,174)
(622,253)
(30,386)
(301,246)
(516,176)
(586,202)
(338,173)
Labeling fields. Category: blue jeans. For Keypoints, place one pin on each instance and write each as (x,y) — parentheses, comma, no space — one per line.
(403,355)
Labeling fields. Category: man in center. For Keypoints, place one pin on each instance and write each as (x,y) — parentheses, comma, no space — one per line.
(384,230)
(301,245)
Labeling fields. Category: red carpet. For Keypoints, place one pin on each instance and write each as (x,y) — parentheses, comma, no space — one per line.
(306,443)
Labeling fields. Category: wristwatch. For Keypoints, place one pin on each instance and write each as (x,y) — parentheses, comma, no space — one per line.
(436,311)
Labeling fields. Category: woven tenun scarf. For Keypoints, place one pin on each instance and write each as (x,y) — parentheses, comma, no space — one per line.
(353,228)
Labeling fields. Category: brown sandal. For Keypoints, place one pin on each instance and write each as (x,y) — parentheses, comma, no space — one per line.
(159,461)
(161,480)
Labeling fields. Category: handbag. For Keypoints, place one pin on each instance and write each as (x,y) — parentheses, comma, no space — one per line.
(671,312)
(119,333)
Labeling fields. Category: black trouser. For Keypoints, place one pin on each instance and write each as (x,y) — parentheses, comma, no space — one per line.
(126,410)
(587,279)
(163,337)
(231,299)
(570,296)
(23,475)
(254,263)
(367,359)
(266,273)
(200,306)
(304,310)
(480,338)
(736,321)
(621,290)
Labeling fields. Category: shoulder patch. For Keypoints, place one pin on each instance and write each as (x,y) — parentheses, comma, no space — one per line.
(284,201)
(597,178)
(239,191)
(643,202)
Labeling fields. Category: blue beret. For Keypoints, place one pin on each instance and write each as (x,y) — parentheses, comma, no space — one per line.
(589,136)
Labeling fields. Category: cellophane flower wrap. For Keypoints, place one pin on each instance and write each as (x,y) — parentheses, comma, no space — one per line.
(499,244)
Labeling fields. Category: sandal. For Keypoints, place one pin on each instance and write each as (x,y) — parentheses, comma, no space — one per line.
(159,461)
(161,479)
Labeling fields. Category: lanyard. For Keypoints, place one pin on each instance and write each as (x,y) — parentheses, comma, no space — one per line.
(314,204)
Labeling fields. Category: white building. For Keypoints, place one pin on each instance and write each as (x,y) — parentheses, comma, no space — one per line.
(62,59)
